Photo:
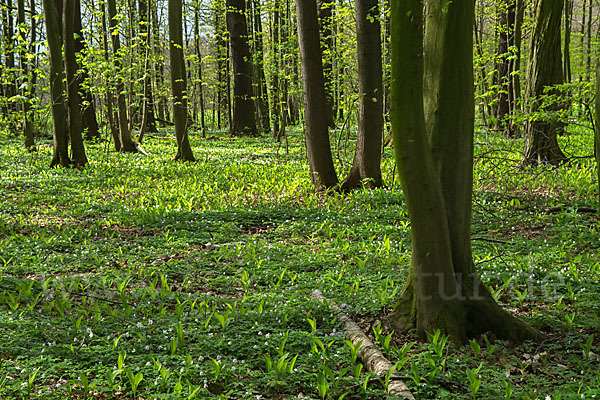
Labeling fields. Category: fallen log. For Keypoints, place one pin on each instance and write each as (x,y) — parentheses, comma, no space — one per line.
(374,360)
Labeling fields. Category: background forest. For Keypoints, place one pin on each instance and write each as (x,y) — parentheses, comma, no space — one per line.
(127,274)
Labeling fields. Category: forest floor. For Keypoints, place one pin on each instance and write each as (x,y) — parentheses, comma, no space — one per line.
(140,277)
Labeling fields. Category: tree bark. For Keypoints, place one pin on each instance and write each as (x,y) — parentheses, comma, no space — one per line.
(506,19)
(148,119)
(89,123)
(541,143)
(261,94)
(318,149)
(60,154)
(200,82)
(127,143)
(325,12)
(567,40)
(244,109)
(179,81)
(366,167)
(26,81)
(597,131)
(109,98)
(433,125)
(74,105)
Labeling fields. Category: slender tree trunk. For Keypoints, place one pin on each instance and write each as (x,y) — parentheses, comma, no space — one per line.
(244,110)
(588,59)
(89,123)
(261,80)
(366,167)
(26,81)
(148,118)
(222,61)
(506,13)
(200,68)
(325,12)
(12,88)
(514,92)
(59,114)
(179,81)
(567,40)
(159,66)
(541,143)
(114,130)
(127,143)
(276,52)
(597,125)
(73,98)
(318,149)
(433,124)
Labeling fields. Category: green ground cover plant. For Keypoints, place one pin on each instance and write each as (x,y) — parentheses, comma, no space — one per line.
(141,277)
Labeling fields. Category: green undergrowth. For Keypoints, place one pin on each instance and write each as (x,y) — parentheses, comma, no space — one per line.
(141,277)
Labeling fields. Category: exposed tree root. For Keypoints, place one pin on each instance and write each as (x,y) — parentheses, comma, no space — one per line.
(481,315)
(374,360)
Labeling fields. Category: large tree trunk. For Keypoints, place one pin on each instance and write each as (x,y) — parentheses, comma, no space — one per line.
(73,98)
(366,167)
(433,125)
(318,149)
(325,12)
(60,154)
(127,143)
(546,70)
(244,109)
(179,81)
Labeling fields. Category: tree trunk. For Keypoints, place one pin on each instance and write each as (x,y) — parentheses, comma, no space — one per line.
(276,50)
(221,60)
(158,64)
(127,143)
(567,40)
(262,100)
(318,149)
(11,89)
(597,125)
(200,67)
(60,154)
(179,81)
(366,167)
(148,118)
(433,125)
(514,91)
(73,98)
(114,130)
(506,13)
(325,12)
(541,143)
(26,81)
(244,110)
(89,123)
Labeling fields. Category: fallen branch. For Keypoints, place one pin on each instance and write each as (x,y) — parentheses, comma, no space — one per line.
(580,210)
(373,358)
